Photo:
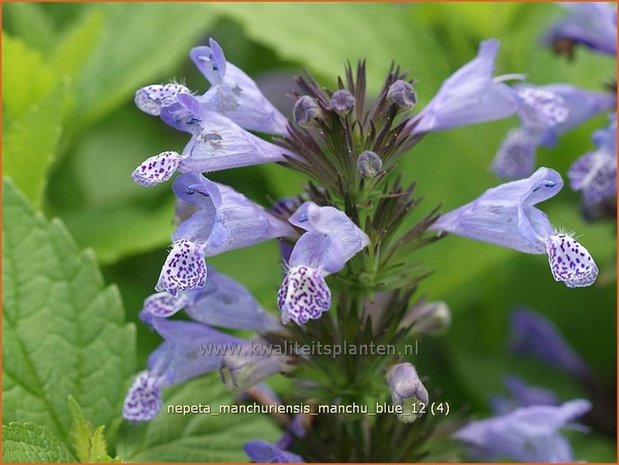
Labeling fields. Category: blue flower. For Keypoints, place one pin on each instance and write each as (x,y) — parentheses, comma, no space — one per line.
(216,144)
(506,215)
(522,395)
(534,335)
(594,174)
(592,24)
(179,358)
(260,451)
(224,220)
(407,391)
(527,434)
(545,112)
(234,94)
(470,95)
(330,241)
(222,302)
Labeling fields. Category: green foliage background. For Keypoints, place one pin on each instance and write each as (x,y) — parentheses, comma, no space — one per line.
(72,137)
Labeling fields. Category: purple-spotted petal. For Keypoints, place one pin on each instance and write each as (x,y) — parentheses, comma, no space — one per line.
(183,269)
(163,304)
(303,295)
(151,99)
(143,401)
(570,262)
(541,108)
(157,169)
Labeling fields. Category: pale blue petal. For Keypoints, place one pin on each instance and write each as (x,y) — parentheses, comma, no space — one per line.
(190,350)
(330,221)
(506,216)
(226,303)
(515,158)
(469,96)
(225,219)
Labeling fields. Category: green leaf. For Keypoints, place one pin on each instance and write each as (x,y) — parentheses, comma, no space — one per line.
(31,23)
(29,443)
(198,437)
(324,36)
(125,57)
(26,78)
(80,431)
(73,49)
(98,446)
(64,331)
(27,159)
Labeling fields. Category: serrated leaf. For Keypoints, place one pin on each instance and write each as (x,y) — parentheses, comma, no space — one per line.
(323,36)
(194,438)
(26,77)
(29,443)
(98,446)
(27,158)
(80,431)
(63,332)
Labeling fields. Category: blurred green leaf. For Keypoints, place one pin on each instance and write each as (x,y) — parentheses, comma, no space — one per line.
(30,443)
(26,77)
(324,36)
(73,48)
(64,332)
(27,159)
(104,208)
(116,231)
(195,437)
(31,23)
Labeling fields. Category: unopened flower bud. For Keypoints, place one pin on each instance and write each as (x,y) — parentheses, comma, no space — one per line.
(431,318)
(342,101)
(407,390)
(402,94)
(369,164)
(254,363)
(305,110)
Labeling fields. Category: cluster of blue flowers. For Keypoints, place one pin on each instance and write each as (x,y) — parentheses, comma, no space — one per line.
(319,239)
